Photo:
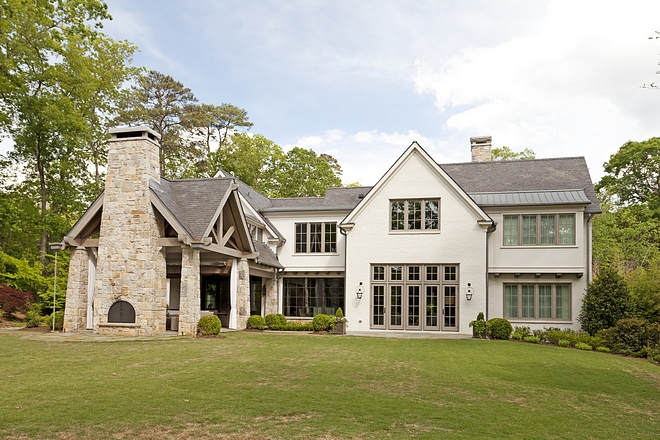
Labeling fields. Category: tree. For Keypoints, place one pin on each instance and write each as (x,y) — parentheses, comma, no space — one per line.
(50,50)
(607,300)
(633,174)
(304,174)
(167,107)
(252,159)
(506,153)
(644,284)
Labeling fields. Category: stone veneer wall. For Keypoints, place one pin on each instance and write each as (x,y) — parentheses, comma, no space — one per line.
(271,305)
(75,312)
(189,299)
(242,294)
(131,264)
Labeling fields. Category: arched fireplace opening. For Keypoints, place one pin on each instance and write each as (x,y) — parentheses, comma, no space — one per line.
(122,312)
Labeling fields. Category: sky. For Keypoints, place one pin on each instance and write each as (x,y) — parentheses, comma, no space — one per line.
(361,80)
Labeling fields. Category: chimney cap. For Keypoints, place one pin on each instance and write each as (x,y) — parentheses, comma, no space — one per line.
(481,139)
(140,131)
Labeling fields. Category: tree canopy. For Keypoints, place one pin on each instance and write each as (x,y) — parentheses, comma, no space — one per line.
(506,153)
(633,174)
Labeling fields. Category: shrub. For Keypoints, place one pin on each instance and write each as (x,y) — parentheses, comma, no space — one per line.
(532,339)
(607,301)
(632,337)
(59,321)
(479,325)
(499,328)
(339,315)
(583,346)
(256,322)
(33,318)
(653,355)
(522,331)
(209,325)
(540,334)
(275,322)
(603,349)
(564,343)
(12,300)
(322,323)
(298,326)
(517,336)
(553,335)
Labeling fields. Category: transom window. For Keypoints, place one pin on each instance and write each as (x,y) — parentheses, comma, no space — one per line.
(317,237)
(537,301)
(539,229)
(415,215)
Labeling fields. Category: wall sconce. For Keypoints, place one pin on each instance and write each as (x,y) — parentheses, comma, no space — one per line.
(469,292)
(359,291)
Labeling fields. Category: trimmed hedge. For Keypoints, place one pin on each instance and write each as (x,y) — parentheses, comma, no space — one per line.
(499,328)
(275,322)
(209,325)
(323,323)
(256,322)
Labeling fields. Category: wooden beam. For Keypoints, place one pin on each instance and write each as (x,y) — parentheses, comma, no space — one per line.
(85,242)
(229,251)
(227,235)
(169,242)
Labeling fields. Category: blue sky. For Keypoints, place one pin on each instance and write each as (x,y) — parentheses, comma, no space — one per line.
(362,79)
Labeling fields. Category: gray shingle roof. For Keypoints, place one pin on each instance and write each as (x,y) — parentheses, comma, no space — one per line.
(193,202)
(539,175)
(266,256)
(336,199)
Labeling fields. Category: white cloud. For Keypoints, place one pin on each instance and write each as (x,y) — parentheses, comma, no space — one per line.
(569,86)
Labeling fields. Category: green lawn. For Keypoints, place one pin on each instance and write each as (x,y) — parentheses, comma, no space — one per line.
(282,386)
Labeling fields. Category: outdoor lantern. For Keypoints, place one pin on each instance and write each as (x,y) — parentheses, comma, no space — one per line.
(359,291)
(469,292)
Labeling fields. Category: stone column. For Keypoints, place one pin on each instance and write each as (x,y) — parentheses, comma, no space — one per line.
(189,300)
(75,312)
(272,302)
(243,294)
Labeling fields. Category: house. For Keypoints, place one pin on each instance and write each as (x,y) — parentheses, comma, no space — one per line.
(425,249)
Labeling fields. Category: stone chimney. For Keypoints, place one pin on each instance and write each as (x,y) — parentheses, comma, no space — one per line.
(131,270)
(480,147)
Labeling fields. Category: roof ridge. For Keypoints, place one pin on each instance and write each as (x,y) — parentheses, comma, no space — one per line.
(526,191)
(513,161)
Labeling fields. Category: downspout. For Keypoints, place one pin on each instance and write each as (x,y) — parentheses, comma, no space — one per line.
(489,231)
(589,262)
(343,232)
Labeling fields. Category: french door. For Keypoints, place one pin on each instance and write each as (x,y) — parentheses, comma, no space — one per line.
(422,305)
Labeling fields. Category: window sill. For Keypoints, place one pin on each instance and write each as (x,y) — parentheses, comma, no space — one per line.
(541,246)
(307,254)
(415,231)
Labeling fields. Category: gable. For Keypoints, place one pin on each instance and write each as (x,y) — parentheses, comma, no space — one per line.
(415,175)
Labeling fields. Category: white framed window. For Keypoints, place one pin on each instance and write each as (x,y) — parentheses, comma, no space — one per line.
(316,237)
(539,230)
(415,215)
(533,302)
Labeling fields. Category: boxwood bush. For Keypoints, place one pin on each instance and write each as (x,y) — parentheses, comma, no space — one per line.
(275,322)
(322,323)
(499,328)
(256,322)
(209,325)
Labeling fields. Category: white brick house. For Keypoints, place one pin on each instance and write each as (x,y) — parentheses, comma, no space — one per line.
(425,249)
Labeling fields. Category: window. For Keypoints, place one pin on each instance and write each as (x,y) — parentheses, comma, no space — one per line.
(307,297)
(316,237)
(539,229)
(537,301)
(414,215)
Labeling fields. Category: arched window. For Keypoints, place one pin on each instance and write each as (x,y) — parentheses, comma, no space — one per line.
(121,311)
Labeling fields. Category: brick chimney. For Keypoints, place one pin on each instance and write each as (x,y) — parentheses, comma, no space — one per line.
(480,147)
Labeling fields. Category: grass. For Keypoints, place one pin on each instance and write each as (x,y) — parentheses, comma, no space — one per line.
(282,386)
